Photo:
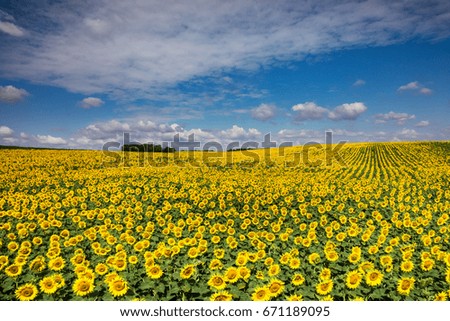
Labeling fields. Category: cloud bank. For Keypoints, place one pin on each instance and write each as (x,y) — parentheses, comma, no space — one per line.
(143,50)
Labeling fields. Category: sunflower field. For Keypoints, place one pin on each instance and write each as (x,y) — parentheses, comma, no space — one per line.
(227,226)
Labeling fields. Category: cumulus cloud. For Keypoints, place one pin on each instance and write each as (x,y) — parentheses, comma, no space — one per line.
(239,133)
(408,133)
(347,111)
(148,131)
(263,112)
(50,140)
(11,94)
(400,118)
(90,102)
(309,111)
(423,123)
(143,49)
(6,131)
(11,29)
(416,87)
(359,83)
(8,26)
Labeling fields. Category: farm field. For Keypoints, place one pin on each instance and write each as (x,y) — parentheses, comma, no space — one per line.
(231,226)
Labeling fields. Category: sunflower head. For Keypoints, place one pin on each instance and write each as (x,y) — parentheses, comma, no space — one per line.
(118,287)
(48,285)
(374,278)
(187,271)
(275,287)
(221,296)
(324,287)
(83,286)
(353,279)
(231,275)
(217,281)
(13,270)
(154,271)
(26,292)
(261,294)
(405,285)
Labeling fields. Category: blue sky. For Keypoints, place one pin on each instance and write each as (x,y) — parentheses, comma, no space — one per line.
(78,74)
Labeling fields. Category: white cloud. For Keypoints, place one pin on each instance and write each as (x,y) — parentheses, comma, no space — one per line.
(359,82)
(423,123)
(11,94)
(264,112)
(6,131)
(90,102)
(400,118)
(309,111)
(410,86)
(50,140)
(347,111)
(415,86)
(11,29)
(239,133)
(142,50)
(408,133)
(425,91)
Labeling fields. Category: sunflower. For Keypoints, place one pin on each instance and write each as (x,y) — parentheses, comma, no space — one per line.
(110,277)
(26,292)
(13,270)
(118,287)
(231,275)
(374,277)
(273,270)
(447,275)
(354,258)
(193,252)
(353,279)
(325,274)
(215,264)
(386,260)
(221,296)
(332,256)
(187,271)
(405,285)
(294,263)
(244,272)
(324,287)
(48,285)
(216,281)
(83,286)
(427,264)
(101,269)
(59,280)
(407,266)
(154,271)
(241,260)
(38,264)
(133,259)
(298,279)
(295,297)
(275,287)
(56,264)
(120,264)
(261,294)
(314,258)
(441,296)
(366,266)
(219,253)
